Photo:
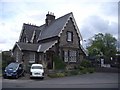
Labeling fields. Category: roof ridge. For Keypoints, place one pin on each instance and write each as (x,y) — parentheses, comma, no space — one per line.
(30,25)
(64,15)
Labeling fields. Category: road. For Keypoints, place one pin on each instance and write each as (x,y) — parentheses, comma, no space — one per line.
(94,80)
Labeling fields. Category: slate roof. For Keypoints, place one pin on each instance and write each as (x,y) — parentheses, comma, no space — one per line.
(35,47)
(27,46)
(29,29)
(54,28)
(45,46)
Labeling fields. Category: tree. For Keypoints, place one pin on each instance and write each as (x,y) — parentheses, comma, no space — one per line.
(102,45)
(6,59)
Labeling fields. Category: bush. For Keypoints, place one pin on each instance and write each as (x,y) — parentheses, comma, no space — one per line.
(55,75)
(91,70)
(85,63)
(84,71)
(74,72)
(59,64)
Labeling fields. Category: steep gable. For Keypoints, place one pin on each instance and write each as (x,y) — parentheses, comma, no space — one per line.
(29,31)
(56,27)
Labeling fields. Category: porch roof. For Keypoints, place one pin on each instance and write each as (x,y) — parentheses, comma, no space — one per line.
(35,47)
(27,46)
(46,46)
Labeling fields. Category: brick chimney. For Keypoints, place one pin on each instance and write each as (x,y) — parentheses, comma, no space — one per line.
(49,18)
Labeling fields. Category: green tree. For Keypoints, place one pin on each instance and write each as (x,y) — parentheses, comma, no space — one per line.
(102,45)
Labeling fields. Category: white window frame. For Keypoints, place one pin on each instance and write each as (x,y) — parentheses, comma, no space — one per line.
(69,36)
(72,56)
(65,56)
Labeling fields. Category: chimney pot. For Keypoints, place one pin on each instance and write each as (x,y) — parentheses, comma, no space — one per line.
(49,18)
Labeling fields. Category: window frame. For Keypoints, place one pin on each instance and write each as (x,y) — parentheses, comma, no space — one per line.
(69,36)
(66,56)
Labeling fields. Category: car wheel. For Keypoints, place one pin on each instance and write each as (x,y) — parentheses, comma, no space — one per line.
(16,76)
(5,77)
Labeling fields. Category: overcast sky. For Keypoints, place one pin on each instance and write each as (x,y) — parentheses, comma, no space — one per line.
(92,17)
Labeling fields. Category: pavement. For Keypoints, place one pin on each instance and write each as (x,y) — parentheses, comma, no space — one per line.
(94,80)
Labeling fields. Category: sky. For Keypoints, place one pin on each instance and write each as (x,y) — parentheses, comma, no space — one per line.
(92,17)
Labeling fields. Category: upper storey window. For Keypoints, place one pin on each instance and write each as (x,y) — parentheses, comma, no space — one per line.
(69,36)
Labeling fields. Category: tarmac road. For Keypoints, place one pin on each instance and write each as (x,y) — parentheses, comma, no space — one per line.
(94,80)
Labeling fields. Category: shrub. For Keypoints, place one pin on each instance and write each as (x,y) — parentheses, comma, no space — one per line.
(91,70)
(55,75)
(85,63)
(84,71)
(59,64)
(74,72)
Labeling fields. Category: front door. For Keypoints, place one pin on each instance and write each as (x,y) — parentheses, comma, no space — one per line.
(49,60)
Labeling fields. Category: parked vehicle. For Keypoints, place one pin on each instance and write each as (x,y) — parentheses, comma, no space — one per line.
(14,70)
(37,70)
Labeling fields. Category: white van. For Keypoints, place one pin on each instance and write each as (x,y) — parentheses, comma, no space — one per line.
(37,70)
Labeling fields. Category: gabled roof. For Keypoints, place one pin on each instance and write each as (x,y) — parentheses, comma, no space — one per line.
(29,29)
(56,27)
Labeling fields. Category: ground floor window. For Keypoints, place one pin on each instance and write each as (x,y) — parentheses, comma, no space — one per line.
(65,56)
(70,55)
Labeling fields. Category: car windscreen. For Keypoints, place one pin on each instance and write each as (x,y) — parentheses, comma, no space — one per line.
(36,67)
(12,66)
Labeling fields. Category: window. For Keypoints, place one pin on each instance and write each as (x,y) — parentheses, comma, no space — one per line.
(72,56)
(69,36)
(32,58)
(65,56)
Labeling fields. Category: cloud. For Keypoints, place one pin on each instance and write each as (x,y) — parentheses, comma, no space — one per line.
(91,17)
(95,24)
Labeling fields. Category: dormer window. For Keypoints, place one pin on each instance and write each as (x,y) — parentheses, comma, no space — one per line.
(69,36)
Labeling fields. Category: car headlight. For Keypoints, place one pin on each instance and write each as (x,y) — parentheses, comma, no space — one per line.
(5,70)
(14,71)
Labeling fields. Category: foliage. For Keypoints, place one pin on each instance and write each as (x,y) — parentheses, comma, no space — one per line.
(55,75)
(102,45)
(6,59)
(85,64)
(59,64)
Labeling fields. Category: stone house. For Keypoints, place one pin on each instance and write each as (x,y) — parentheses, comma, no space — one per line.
(39,44)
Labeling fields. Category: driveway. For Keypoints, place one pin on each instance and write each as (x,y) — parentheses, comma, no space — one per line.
(94,80)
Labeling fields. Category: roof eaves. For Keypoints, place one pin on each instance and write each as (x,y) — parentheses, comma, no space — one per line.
(78,31)
(84,50)
(39,48)
(64,26)
(18,46)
